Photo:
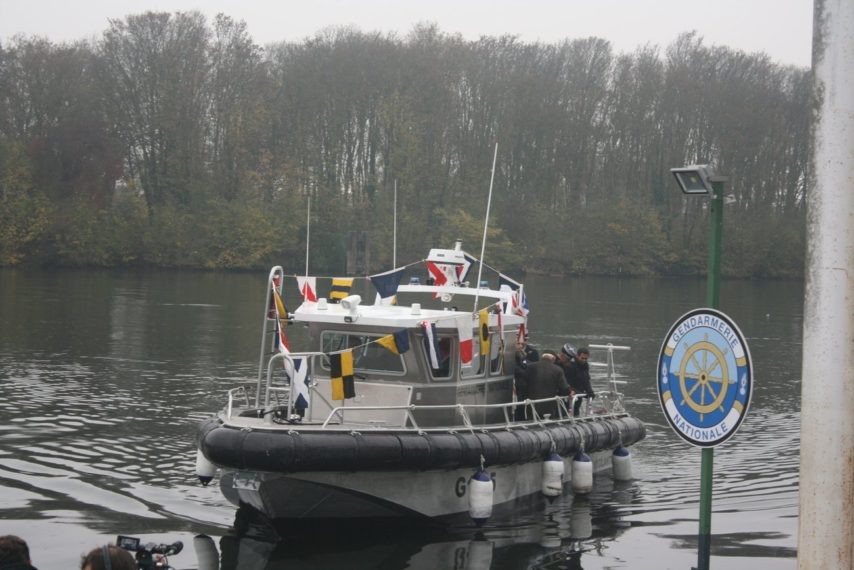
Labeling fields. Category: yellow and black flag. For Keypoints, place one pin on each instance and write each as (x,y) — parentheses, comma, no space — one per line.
(343,385)
(340,288)
(483,318)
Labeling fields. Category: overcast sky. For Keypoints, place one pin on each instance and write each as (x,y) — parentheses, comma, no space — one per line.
(780,28)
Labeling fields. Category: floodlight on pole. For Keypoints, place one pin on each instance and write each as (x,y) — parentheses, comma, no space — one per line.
(695,179)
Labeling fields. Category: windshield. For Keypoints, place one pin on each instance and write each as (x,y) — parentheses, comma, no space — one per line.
(368,355)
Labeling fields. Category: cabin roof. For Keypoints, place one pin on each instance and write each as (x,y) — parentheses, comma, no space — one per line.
(402,316)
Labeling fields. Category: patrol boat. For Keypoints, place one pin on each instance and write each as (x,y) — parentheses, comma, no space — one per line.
(405,407)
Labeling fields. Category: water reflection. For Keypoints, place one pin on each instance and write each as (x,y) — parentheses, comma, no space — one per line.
(532,533)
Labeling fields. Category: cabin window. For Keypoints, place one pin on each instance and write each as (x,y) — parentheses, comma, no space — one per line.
(445,352)
(368,355)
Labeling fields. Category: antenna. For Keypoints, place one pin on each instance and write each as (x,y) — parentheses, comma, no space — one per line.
(394,229)
(307,233)
(485,226)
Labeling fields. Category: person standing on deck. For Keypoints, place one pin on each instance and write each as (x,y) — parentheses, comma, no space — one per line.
(544,379)
(525,354)
(577,373)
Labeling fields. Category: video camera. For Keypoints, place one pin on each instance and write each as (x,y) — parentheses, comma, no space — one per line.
(145,553)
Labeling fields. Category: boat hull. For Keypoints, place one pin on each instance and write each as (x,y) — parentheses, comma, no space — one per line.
(431,494)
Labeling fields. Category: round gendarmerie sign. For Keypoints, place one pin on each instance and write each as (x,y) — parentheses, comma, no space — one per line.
(705,377)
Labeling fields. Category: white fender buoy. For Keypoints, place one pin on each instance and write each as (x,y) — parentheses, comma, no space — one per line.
(553,475)
(480,497)
(204,468)
(621,463)
(206,552)
(582,473)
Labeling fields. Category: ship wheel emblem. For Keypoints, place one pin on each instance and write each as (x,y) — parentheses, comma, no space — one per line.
(704,378)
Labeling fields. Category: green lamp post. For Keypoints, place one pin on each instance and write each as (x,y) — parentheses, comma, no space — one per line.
(701,179)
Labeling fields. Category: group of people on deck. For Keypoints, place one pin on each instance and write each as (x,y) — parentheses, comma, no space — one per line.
(565,373)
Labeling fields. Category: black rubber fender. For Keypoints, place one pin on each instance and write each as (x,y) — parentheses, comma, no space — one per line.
(278,450)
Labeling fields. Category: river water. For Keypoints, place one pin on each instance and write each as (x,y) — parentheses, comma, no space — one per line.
(104,376)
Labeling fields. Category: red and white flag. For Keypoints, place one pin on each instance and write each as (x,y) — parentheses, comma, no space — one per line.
(521,334)
(281,321)
(500,321)
(308,287)
(442,273)
(464,329)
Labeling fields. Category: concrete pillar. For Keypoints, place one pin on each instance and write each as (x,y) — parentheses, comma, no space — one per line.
(826,520)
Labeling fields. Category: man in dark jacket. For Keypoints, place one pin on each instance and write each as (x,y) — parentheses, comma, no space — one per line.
(577,372)
(544,379)
(525,353)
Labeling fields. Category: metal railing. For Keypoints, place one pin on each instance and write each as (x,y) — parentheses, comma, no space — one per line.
(611,371)
(232,394)
(463,410)
(336,418)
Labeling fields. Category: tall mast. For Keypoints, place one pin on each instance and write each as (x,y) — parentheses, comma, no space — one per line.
(485,226)
(307,233)
(394,229)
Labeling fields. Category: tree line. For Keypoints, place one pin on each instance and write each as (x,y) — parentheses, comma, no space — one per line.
(179,142)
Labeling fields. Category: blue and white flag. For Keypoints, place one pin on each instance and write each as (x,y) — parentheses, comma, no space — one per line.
(507,284)
(521,303)
(299,383)
(432,343)
(463,269)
